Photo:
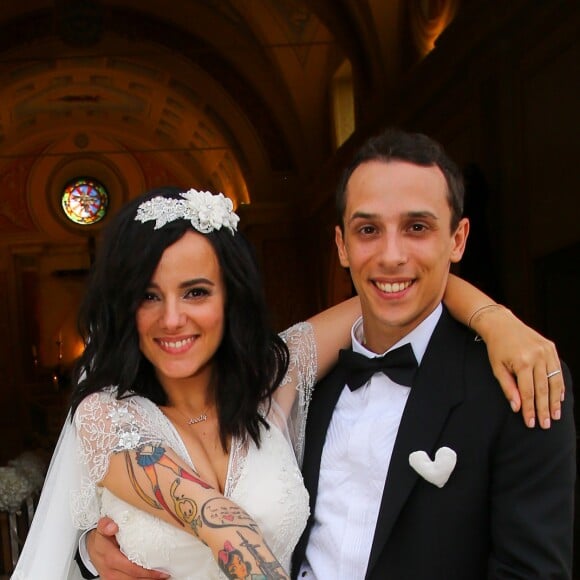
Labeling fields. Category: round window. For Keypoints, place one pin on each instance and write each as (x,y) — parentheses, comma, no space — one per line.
(85,201)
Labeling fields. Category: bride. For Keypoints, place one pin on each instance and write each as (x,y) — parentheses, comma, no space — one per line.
(187,423)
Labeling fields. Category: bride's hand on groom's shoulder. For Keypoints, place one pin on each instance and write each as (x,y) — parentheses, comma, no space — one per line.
(108,559)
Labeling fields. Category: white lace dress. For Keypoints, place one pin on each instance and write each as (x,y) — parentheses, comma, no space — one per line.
(266,482)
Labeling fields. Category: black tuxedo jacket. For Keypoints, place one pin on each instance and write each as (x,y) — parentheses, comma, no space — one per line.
(507,509)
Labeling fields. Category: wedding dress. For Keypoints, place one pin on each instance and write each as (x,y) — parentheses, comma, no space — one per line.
(265,482)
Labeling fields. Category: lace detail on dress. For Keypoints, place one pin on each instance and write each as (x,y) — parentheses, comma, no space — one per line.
(236,464)
(303,359)
(301,375)
(104,426)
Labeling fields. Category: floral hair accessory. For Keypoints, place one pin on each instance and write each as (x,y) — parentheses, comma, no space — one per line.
(207,212)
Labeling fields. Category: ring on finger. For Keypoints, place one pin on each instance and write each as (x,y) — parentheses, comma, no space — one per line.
(553,373)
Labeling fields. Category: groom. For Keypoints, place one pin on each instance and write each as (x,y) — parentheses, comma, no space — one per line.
(497,501)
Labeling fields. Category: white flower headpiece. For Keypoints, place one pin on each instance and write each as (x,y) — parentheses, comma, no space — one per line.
(207,212)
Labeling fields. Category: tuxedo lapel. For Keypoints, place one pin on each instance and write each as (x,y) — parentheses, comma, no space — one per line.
(437,388)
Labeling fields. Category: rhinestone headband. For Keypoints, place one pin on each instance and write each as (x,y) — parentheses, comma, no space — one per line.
(207,212)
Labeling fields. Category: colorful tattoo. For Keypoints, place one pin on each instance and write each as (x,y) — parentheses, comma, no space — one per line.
(185,508)
(232,562)
(217,512)
(149,457)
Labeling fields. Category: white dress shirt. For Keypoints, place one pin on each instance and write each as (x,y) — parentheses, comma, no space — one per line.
(354,464)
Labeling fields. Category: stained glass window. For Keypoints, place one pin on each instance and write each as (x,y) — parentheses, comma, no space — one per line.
(85,201)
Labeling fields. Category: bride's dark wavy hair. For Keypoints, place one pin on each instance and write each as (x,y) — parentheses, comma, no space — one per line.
(251,359)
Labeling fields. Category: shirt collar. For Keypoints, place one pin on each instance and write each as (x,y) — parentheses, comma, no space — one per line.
(419,337)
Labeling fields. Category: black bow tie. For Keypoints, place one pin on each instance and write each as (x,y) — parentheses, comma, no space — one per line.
(399,365)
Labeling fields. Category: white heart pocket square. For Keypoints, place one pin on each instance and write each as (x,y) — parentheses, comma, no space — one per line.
(436,472)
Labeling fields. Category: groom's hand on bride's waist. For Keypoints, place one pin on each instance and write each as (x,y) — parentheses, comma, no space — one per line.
(108,559)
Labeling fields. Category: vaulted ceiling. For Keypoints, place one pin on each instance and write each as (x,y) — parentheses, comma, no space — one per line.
(232,95)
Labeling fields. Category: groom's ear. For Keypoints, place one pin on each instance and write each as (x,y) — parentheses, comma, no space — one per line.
(341,247)
(459,240)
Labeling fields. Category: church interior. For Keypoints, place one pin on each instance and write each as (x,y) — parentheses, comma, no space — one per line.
(265,101)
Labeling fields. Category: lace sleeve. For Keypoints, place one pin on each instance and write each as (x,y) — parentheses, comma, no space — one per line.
(104,426)
(293,396)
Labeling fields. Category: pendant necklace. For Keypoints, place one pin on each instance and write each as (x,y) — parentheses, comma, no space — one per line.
(193,420)
(199,419)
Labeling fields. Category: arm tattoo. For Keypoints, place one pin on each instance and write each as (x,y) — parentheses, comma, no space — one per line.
(231,561)
(217,515)
(185,508)
(150,457)
(217,512)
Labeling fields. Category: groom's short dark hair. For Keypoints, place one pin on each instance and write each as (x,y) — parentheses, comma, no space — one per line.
(416,148)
